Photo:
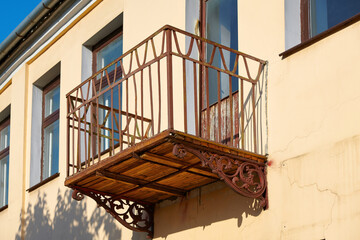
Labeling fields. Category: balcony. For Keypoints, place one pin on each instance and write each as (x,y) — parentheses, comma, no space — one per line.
(157,123)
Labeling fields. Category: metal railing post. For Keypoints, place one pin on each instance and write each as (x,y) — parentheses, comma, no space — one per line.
(169,79)
(67,137)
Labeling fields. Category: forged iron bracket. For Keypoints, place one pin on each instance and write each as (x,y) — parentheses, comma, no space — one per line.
(133,215)
(247,178)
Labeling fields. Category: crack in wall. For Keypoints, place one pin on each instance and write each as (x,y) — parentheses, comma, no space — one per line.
(320,125)
(319,189)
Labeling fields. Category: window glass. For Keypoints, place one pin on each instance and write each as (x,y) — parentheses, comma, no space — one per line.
(325,14)
(4,180)
(109,53)
(221,27)
(51,150)
(52,101)
(105,54)
(4,138)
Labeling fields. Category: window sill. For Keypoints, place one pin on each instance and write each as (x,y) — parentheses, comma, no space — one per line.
(320,36)
(3,208)
(43,182)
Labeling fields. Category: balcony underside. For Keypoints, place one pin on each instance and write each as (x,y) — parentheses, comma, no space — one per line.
(159,168)
(162,167)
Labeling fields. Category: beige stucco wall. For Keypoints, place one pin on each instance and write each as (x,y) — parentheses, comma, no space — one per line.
(51,203)
(314,135)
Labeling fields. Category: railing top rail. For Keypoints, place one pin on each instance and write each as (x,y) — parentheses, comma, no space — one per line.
(166,27)
(214,43)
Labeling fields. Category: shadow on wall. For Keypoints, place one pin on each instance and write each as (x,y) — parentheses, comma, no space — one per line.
(70,221)
(202,208)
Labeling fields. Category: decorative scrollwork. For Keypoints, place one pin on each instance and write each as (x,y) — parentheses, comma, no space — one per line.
(135,216)
(245,177)
(179,151)
(78,196)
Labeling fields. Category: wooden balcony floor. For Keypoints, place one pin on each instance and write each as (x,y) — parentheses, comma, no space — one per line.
(149,172)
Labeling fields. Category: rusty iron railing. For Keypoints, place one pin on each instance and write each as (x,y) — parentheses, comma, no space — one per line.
(164,83)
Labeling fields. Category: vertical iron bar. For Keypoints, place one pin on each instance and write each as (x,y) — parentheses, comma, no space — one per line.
(127,113)
(242,116)
(78,142)
(73,141)
(231,112)
(98,130)
(67,137)
(196,101)
(85,141)
(136,116)
(120,118)
(151,101)
(254,120)
(112,151)
(93,117)
(207,103)
(184,95)
(159,85)
(142,103)
(169,79)
(219,106)
(91,135)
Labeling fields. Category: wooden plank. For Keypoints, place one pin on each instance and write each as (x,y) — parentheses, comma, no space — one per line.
(116,187)
(186,181)
(204,173)
(125,165)
(93,183)
(179,163)
(164,160)
(87,180)
(136,181)
(148,195)
(149,171)
(163,149)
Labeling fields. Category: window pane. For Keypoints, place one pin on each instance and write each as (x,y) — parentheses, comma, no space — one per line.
(327,13)
(4,180)
(107,119)
(51,150)
(221,27)
(109,53)
(52,101)
(4,138)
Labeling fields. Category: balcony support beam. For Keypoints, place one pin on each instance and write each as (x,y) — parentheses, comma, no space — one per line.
(176,162)
(133,215)
(244,177)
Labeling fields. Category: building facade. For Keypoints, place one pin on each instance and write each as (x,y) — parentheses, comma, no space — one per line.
(174,119)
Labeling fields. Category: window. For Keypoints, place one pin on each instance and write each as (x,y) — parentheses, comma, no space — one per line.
(221,27)
(320,15)
(50,130)
(105,52)
(44,149)
(309,21)
(4,161)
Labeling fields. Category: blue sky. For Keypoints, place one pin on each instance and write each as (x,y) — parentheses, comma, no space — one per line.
(16,11)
